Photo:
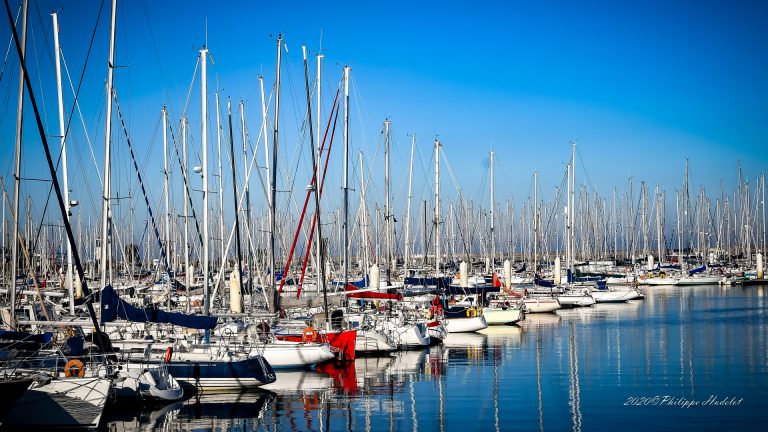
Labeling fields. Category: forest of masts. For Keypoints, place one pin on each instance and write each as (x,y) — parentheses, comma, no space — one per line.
(623,225)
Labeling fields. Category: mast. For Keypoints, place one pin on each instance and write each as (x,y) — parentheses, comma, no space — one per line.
(493,235)
(68,278)
(364,219)
(345,179)
(221,183)
(204,140)
(247,211)
(320,275)
(105,211)
(408,207)
(187,276)
(437,207)
(572,211)
(387,208)
(17,168)
(316,184)
(535,222)
(167,199)
(275,306)
(234,195)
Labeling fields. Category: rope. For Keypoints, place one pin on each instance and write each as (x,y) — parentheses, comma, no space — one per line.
(141,183)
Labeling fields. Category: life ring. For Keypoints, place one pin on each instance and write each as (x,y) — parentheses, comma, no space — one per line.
(471,312)
(74,368)
(309,334)
(168,354)
(197,303)
(479,311)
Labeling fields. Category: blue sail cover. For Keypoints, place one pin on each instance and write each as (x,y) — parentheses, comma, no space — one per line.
(543,282)
(362,283)
(697,270)
(113,307)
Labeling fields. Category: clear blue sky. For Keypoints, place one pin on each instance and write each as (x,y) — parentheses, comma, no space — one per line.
(640,85)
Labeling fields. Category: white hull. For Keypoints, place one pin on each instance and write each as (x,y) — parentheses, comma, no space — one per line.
(406,335)
(62,403)
(501,316)
(284,354)
(581,300)
(659,281)
(465,325)
(372,341)
(615,296)
(541,305)
(704,280)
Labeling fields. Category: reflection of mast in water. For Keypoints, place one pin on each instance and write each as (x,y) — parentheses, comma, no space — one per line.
(538,381)
(414,419)
(496,392)
(440,403)
(573,379)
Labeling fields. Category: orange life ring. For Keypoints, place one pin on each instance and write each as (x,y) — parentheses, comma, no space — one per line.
(168,354)
(74,368)
(309,334)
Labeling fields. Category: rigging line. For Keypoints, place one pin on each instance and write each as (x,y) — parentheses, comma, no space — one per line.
(141,183)
(10,42)
(586,173)
(191,85)
(185,181)
(76,104)
(144,164)
(54,179)
(39,79)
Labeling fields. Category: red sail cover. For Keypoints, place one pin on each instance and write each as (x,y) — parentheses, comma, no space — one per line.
(371,294)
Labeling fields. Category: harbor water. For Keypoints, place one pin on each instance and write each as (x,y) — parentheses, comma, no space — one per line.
(684,357)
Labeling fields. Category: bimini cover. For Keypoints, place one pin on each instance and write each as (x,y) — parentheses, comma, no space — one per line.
(113,307)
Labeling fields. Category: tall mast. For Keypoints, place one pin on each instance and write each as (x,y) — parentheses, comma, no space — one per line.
(572,210)
(273,186)
(345,179)
(221,184)
(320,273)
(364,218)
(437,207)
(234,194)
(493,205)
(247,211)
(264,125)
(17,168)
(204,141)
(535,221)
(188,277)
(167,199)
(387,208)
(316,184)
(105,210)
(408,208)
(68,278)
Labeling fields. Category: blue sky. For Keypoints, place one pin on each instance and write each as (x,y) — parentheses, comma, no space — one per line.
(641,86)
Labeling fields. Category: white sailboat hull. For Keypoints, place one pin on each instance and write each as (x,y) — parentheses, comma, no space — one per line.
(61,403)
(541,305)
(465,325)
(501,316)
(285,354)
(704,280)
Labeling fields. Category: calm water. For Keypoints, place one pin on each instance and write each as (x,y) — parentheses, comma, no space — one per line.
(665,363)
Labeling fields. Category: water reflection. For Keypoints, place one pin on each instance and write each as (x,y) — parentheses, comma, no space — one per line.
(573,370)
